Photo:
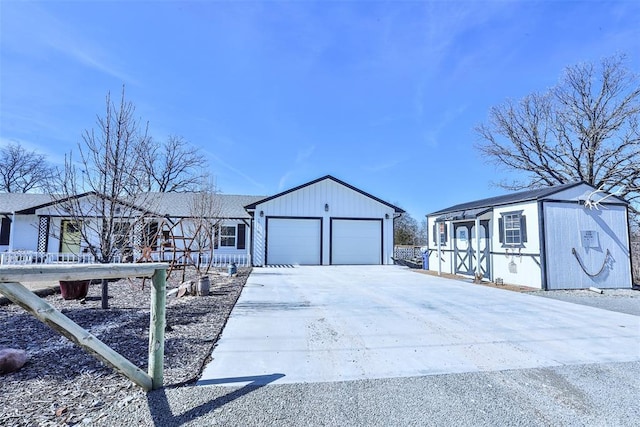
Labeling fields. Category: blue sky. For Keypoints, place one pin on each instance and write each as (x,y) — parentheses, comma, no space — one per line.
(383,95)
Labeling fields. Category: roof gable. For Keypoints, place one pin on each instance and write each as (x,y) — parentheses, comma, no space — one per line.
(253,205)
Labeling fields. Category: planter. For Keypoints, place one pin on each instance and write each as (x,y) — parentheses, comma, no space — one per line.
(204,286)
(74,289)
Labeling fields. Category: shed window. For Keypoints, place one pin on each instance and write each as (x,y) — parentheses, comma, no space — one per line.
(440,229)
(228,236)
(513,229)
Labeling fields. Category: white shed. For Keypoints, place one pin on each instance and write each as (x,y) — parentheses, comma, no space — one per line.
(322,222)
(569,236)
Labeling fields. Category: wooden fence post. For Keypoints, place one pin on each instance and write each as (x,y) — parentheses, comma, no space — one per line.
(157,325)
(42,310)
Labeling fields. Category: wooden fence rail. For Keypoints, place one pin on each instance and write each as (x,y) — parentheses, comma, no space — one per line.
(10,286)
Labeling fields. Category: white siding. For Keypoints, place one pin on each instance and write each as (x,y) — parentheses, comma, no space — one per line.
(517,266)
(25,233)
(564,227)
(310,201)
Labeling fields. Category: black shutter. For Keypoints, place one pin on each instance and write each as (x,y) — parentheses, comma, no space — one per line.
(216,235)
(446,234)
(435,234)
(242,236)
(523,228)
(501,229)
(5,229)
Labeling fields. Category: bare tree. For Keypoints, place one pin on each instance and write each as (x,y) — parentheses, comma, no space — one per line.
(406,230)
(22,171)
(172,166)
(98,193)
(586,128)
(205,213)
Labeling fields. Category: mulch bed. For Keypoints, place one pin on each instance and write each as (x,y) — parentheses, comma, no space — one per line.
(61,384)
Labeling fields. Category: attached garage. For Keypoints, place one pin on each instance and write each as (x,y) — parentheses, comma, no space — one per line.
(322,222)
(294,241)
(356,241)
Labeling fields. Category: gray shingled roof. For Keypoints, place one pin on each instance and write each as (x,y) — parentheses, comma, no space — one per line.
(521,196)
(178,205)
(12,202)
(172,204)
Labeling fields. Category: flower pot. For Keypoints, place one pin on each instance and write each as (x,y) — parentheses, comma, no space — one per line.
(74,289)
(204,285)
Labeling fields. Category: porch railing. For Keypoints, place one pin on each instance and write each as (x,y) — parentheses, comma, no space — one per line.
(407,252)
(31,257)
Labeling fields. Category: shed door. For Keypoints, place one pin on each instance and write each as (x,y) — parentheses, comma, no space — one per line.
(465,251)
(294,241)
(356,241)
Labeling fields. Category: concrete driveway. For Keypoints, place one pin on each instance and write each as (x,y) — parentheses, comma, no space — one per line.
(336,323)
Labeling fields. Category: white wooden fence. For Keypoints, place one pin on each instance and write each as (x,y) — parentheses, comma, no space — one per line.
(31,257)
(10,286)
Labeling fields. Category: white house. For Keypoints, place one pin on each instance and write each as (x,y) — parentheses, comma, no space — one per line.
(569,236)
(325,221)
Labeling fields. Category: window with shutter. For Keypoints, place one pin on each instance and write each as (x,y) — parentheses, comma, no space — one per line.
(512,229)
(228,236)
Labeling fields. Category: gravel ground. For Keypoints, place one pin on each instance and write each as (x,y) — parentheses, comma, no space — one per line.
(585,395)
(620,300)
(61,385)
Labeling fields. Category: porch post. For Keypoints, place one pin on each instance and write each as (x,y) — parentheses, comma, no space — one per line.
(478,268)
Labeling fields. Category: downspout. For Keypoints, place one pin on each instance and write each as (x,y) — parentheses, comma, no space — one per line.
(478,267)
(543,246)
(439,242)
(626,211)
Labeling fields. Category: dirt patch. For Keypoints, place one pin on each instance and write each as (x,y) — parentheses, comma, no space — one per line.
(506,286)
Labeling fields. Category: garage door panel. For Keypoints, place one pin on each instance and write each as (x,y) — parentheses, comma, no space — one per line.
(356,241)
(294,241)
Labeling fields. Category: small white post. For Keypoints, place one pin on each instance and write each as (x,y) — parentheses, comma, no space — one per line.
(439,242)
(478,269)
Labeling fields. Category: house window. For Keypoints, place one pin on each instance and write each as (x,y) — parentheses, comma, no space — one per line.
(121,232)
(513,229)
(150,235)
(228,236)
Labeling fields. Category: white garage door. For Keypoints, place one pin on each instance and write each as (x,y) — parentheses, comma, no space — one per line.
(356,241)
(293,241)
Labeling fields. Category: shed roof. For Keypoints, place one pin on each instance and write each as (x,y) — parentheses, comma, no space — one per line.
(315,181)
(506,199)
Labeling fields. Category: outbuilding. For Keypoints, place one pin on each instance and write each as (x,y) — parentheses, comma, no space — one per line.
(570,236)
(322,222)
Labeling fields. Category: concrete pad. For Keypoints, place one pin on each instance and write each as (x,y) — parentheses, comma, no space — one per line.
(336,323)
